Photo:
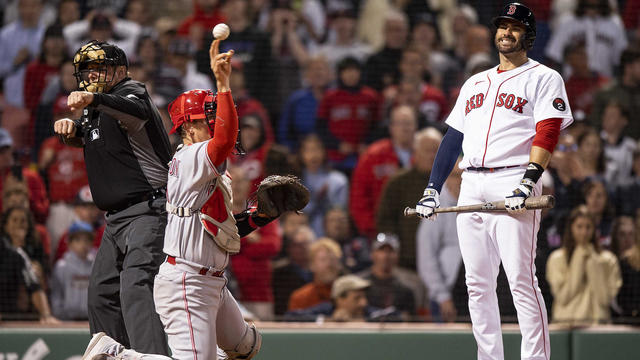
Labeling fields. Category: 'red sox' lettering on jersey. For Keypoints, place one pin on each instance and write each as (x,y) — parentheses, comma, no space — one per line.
(474,102)
(510,101)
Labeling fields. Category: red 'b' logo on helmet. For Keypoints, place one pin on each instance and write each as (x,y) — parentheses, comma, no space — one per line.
(512,10)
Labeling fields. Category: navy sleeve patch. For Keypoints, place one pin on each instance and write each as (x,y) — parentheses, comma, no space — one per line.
(559,104)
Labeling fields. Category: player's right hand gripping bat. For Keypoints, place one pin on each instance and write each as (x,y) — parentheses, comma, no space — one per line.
(532,203)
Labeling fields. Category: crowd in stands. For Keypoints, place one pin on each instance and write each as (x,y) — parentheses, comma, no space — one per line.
(351,96)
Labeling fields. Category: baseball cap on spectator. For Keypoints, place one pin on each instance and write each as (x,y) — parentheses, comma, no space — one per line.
(80,227)
(165,25)
(630,55)
(469,13)
(53,31)
(84,196)
(340,8)
(349,63)
(386,239)
(100,22)
(424,18)
(250,120)
(347,283)
(180,46)
(5,139)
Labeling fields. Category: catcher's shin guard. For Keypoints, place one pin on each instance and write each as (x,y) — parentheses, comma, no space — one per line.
(249,345)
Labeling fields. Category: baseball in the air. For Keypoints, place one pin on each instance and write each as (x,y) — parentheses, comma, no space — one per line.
(221,31)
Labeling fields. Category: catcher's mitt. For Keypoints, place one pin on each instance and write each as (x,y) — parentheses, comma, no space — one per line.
(280,193)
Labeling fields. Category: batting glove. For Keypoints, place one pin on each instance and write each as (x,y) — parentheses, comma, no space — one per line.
(428,204)
(514,203)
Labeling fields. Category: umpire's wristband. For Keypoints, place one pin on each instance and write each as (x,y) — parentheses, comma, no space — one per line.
(533,174)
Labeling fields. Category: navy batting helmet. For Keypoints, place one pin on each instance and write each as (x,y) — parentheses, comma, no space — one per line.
(522,14)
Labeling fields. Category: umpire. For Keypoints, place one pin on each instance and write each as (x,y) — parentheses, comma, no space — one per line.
(126,150)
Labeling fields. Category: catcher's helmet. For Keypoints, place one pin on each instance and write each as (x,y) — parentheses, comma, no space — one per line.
(193,105)
(97,56)
(522,14)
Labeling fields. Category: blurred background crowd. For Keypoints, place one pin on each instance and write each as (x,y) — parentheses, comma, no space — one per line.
(350,95)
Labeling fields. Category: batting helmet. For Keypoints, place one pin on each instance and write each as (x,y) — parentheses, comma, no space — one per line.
(193,105)
(100,55)
(522,14)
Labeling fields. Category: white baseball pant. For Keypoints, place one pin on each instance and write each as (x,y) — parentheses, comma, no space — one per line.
(486,238)
(197,312)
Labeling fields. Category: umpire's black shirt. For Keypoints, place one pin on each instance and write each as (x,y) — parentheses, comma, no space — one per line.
(126,148)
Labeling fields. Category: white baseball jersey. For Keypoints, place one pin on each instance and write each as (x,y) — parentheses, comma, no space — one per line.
(498,112)
(604,37)
(193,180)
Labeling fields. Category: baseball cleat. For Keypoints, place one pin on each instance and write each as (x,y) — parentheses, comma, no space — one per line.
(101,345)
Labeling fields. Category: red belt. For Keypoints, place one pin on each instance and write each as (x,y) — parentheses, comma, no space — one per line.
(203,271)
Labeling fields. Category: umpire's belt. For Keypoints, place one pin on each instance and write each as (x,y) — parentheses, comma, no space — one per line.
(150,196)
(491,169)
(190,267)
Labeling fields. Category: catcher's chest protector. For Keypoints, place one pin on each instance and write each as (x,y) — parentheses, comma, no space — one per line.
(217,218)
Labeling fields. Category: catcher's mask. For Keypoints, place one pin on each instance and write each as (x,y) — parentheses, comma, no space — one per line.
(96,58)
(195,105)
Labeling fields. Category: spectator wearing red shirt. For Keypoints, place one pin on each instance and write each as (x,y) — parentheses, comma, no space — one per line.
(65,174)
(583,83)
(53,53)
(631,17)
(433,104)
(347,116)
(206,14)
(64,168)
(377,164)
(53,105)
(252,265)
(254,141)
(38,200)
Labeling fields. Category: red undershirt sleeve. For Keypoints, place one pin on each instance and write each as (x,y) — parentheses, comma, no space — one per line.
(225,131)
(547,134)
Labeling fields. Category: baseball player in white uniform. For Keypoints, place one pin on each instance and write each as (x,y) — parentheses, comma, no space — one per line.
(196,308)
(506,121)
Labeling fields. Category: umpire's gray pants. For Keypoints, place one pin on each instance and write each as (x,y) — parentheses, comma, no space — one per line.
(121,283)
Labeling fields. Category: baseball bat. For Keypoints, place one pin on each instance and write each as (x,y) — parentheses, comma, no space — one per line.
(532,203)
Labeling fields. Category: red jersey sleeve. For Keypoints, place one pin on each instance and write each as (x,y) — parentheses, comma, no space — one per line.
(226,129)
(547,134)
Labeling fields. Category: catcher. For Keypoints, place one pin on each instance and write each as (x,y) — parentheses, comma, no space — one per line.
(190,290)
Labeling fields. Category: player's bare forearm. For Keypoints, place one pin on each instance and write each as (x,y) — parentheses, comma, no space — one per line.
(540,156)
(220,65)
